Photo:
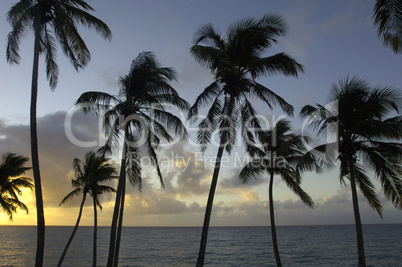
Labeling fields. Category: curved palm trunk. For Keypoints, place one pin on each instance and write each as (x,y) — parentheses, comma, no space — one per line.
(40,245)
(117,207)
(94,197)
(112,243)
(73,233)
(120,226)
(272,216)
(358,223)
(208,210)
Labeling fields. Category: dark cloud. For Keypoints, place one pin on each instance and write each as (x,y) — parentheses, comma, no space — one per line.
(56,151)
(231,180)
(187,184)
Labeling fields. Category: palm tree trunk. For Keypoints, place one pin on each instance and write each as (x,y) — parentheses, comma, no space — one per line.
(272,214)
(40,246)
(112,243)
(117,205)
(208,210)
(73,233)
(358,223)
(120,226)
(94,197)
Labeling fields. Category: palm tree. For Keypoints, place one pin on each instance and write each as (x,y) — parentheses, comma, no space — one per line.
(44,17)
(282,154)
(88,176)
(141,111)
(236,61)
(388,21)
(10,188)
(365,141)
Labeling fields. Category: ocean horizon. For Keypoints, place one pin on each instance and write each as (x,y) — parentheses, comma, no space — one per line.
(304,245)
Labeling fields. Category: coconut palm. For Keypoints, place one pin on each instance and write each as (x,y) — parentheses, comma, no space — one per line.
(140,110)
(88,175)
(10,187)
(281,153)
(366,140)
(52,22)
(236,61)
(388,21)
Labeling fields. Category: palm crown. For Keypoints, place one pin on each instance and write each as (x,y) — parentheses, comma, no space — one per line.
(57,22)
(10,188)
(235,62)
(281,153)
(88,176)
(140,109)
(388,21)
(364,135)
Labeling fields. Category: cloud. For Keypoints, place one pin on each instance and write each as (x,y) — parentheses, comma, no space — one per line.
(56,152)
(232,180)
(302,30)
(187,181)
(186,175)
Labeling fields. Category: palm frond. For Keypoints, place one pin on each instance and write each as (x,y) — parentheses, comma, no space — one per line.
(289,177)
(253,169)
(133,166)
(20,18)
(172,101)
(171,122)
(250,124)
(210,93)
(71,195)
(52,70)
(72,44)
(95,102)
(269,97)
(209,35)
(367,188)
(388,22)
(87,20)
(272,65)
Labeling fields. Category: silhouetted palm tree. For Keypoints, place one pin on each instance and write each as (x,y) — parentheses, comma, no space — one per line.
(88,175)
(141,111)
(10,187)
(236,61)
(52,21)
(388,21)
(365,141)
(280,153)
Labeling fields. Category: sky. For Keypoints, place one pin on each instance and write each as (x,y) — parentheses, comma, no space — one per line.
(332,39)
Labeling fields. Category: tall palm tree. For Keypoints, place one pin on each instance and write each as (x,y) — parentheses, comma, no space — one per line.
(89,174)
(236,61)
(140,110)
(388,21)
(52,22)
(282,152)
(13,166)
(366,140)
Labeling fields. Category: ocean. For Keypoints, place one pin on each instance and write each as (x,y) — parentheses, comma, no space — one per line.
(330,245)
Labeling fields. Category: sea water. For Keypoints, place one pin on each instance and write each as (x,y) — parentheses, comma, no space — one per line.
(330,245)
